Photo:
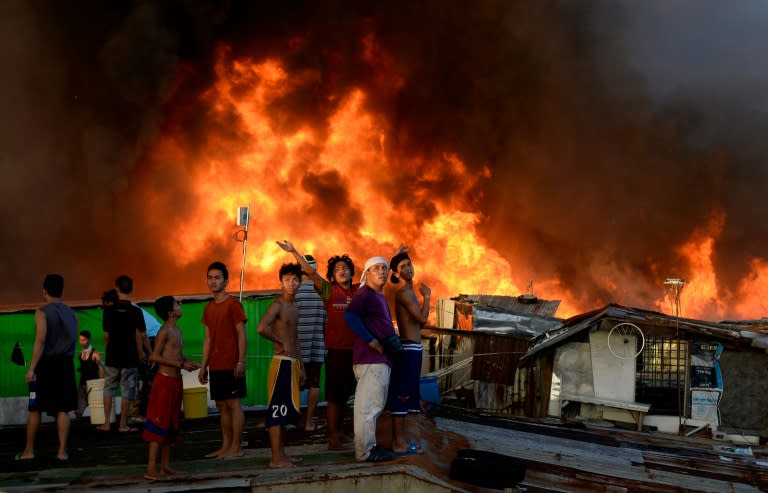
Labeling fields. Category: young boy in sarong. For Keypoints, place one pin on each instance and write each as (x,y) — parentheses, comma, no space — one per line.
(286,372)
(161,428)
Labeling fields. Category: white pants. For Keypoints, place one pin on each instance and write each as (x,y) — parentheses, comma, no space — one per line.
(370,398)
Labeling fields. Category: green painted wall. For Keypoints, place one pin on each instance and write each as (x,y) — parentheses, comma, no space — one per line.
(21,327)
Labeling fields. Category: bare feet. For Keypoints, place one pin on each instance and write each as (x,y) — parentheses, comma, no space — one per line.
(104,427)
(234,454)
(154,476)
(214,455)
(171,471)
(22,456)
(339,442)
(281,463)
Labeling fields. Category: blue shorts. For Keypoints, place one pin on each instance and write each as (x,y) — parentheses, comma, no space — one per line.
(404,395)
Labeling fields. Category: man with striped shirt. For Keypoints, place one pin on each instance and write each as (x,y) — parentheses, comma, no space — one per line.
(311,325)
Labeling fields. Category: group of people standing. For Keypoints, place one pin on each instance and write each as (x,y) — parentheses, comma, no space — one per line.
(358,323)
(326,320)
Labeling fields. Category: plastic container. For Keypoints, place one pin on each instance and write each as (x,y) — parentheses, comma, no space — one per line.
(95,390)
(195,402)
(429,389)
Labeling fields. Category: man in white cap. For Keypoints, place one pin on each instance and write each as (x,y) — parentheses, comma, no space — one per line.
(369,318)
(311,323)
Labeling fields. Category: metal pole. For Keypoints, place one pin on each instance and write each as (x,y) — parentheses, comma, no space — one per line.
(245,243)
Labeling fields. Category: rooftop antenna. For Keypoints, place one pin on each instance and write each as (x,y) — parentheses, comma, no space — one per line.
(675,286)
(242,218)
(528,297)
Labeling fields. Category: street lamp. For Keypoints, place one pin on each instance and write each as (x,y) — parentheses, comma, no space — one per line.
(242,218)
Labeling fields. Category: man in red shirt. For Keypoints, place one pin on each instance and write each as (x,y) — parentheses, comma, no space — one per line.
(224,346)
(339,377)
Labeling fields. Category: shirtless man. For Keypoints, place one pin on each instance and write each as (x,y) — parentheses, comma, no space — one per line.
(164,409)
(404,396)
(286,371)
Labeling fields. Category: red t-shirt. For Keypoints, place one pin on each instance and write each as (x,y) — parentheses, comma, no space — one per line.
(336,299)
(221,319)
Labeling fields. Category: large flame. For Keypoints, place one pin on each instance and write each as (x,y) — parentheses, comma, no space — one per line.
(327,187)
(271,169)
(701,296)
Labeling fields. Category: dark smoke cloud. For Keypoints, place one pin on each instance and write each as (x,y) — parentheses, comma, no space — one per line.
(593,175)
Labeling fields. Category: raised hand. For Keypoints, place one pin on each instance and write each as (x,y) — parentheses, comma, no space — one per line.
(286,245)
(424,290)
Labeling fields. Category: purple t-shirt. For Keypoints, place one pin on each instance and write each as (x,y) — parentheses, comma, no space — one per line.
(372,308)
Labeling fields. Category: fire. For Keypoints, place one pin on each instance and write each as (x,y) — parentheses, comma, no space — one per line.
(702,297)
(337,184)
(273,168)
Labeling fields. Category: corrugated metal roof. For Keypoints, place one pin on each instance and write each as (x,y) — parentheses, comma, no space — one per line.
(732,331)
(524,303)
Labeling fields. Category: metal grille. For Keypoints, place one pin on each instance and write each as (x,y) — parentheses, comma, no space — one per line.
(661,374)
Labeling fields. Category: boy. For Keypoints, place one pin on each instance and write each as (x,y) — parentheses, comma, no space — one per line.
(224,346)
(336,290)
(286,372)
(164,410)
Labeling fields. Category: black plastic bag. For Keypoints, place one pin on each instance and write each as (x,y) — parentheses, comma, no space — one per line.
(17,356)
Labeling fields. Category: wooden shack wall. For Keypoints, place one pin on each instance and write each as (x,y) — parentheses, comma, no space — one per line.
(745,392)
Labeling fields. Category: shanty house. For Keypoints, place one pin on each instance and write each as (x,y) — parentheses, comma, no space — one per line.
(650,369)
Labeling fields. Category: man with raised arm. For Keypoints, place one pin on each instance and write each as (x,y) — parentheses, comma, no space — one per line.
(404,396)
(336,293)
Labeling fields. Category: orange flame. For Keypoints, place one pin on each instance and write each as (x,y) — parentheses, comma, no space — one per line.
(264,156)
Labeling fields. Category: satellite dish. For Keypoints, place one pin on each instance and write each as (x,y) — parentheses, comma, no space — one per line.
(623,340)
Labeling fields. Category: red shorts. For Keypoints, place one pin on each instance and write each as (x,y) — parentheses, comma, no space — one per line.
(163,422)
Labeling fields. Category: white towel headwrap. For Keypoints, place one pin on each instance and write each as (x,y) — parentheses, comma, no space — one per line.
(370,263)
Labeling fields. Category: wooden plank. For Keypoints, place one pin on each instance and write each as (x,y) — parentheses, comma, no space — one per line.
(631,406)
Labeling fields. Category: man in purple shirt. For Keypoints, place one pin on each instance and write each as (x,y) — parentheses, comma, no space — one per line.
(368,317)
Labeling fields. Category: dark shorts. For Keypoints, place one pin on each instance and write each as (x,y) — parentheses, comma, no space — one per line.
(283,388)
(225,386)
(404,393)
(56,387)
(312,370)
(339,378)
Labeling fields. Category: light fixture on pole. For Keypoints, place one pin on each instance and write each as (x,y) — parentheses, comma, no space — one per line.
(675,286)
(242,218)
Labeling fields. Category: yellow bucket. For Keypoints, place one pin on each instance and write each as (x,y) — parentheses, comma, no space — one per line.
(195,402)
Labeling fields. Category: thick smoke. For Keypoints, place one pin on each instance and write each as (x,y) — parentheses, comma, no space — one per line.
(594,180)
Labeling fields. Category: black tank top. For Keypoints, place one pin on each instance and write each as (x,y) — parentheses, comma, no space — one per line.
(89,369)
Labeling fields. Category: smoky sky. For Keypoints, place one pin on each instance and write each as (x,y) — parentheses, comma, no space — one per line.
(612,130)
